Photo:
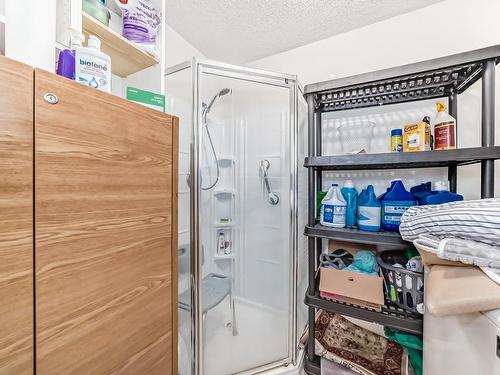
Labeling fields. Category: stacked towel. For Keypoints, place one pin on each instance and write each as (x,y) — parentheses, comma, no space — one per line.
(468,232)
(477,220)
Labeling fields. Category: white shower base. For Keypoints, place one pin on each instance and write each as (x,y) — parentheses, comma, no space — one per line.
(260,338)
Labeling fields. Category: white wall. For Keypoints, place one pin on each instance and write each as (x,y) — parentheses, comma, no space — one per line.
(449,27)
(30,32)
(178,49)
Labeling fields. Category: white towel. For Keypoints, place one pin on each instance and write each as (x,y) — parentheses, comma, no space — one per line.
(466,251)
(469,252)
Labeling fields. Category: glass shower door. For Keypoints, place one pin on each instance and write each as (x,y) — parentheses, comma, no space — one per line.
(245,262)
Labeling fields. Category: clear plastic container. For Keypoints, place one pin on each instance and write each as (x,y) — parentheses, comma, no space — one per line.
(356,136)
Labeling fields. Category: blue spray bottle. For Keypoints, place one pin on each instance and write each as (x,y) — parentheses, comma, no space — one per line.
(350,195)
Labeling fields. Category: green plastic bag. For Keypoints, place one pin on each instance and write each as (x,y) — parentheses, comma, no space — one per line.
(413,345)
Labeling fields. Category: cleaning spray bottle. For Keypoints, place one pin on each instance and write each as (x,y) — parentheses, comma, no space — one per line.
(444,129)
(66,59)
(333,208)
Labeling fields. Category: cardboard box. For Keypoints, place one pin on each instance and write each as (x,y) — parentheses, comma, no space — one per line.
(417,137)
(350,287)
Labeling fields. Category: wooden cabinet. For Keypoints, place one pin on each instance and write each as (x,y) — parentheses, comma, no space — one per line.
(105,233)
(16,218)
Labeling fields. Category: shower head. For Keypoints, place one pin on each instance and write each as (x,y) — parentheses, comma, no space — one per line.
(207,108)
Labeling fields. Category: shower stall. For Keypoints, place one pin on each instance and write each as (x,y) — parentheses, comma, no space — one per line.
(242,255)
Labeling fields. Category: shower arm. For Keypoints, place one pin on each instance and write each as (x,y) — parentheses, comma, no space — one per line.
(273,197)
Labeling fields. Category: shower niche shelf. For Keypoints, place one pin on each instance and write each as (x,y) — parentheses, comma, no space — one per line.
(224,194)
(224,224)
(226,161)
(226,252)
(223,209)
(224,257)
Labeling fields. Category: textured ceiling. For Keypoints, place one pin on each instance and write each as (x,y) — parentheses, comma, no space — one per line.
(239,31)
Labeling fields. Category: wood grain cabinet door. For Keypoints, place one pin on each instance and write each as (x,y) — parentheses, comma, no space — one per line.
(105,233)
(16,218)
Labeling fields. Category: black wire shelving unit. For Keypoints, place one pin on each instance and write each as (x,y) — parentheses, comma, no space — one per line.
(445,77)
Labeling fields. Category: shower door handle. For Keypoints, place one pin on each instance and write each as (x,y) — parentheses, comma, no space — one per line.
(272,196)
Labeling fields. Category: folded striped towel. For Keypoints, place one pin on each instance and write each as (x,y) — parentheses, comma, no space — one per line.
(477,220)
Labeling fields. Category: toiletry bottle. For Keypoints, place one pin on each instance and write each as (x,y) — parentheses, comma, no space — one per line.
(66,64)
(369,212)
(394,204)
(141,23)
(350,195)
(221,247)
(93,67)
(441,194)
(444,129)
(227,248)
(333,208)
(66,60)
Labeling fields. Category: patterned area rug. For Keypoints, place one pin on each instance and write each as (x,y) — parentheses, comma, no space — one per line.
(365,352)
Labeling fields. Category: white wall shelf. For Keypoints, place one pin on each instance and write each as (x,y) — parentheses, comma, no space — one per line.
(126,57)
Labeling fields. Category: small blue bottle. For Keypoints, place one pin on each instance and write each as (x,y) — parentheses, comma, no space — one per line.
(350,195)
(394,204)
(369,211)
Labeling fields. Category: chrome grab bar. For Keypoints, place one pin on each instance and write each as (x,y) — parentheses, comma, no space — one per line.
(272,196)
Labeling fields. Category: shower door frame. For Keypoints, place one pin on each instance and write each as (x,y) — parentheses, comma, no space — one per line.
(198,68)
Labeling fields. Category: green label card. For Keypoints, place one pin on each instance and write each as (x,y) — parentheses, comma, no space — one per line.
(147,98)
